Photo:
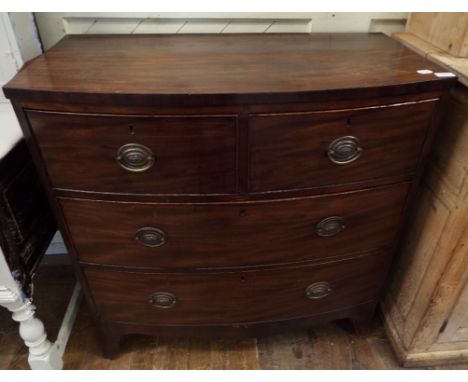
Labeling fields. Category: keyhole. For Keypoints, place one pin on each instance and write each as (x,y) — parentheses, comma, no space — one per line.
(131,130)
(242,212)
(348,122)
(242,278)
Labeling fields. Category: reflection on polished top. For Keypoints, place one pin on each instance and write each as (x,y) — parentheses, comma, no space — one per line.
(238,66)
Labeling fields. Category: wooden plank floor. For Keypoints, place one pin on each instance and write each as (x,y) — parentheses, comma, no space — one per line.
(331,346)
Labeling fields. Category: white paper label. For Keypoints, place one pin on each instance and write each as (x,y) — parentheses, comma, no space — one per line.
(425,71)
(444,74)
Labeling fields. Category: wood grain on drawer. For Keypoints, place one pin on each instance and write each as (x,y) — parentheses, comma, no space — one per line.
(192,155)
(290,151)
(236,297)
(233,234)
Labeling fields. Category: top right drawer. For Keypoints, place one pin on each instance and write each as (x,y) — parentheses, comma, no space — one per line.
(325,149)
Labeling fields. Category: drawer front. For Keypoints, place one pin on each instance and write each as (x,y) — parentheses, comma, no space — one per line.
(235,297)
(151,155)
(229,235)
(300,151)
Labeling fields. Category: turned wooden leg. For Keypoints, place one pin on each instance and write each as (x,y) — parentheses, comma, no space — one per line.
(43,355)
(110,340)
(362,319)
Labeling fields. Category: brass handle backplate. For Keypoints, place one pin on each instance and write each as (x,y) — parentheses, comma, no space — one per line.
(150,237)
(344,150)
(330,226)
(164,300)
(318,290)
(134,157)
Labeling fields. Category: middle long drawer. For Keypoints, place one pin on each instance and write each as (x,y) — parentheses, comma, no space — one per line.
(211,235)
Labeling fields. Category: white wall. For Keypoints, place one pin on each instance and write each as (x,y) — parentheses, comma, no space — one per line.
(10,62)
(25,31)
(53,26)
(10,57)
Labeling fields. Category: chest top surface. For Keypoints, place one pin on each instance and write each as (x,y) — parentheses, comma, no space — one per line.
(241,67)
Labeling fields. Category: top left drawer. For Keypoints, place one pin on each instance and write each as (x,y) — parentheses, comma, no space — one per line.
(138,154)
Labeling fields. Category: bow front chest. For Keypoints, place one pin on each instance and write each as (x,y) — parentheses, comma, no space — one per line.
(229,185)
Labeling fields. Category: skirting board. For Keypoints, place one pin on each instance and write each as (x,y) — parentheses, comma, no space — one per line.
(429,358)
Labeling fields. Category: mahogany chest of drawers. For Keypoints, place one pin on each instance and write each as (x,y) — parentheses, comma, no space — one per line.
(229,185)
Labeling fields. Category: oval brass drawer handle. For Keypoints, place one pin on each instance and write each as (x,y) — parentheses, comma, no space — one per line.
(150,237)
(318,290)
(134,157)
(330,226)
(164,300)
(344,150)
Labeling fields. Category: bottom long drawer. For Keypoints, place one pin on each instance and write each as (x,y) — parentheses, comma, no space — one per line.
(221,298)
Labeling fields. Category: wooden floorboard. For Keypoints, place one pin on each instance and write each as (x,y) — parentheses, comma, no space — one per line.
(331,346)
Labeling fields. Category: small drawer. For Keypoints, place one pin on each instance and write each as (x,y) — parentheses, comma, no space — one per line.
(200,236)
(324,149)
(235,297)
(150,155)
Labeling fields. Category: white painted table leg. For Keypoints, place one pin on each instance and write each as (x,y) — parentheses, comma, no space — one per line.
(69,319)
(42,353)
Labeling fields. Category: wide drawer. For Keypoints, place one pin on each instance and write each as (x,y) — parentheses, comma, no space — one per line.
(235,297)
(233,234)
(151,155)
(324,149)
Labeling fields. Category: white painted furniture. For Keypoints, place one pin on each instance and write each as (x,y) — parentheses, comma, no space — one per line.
(42,353)
(10,132)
